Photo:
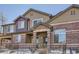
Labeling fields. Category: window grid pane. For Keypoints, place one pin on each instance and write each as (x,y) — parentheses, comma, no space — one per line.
(37,21)
(60,36)
(21,24)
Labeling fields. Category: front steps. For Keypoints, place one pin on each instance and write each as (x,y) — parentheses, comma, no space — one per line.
(42,51)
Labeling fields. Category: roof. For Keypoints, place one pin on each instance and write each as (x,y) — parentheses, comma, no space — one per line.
(20,17)
(8,24)
(61,12)
(15,20)
(31,9)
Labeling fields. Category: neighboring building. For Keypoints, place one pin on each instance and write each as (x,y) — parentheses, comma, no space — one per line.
(36,29)
(2,21)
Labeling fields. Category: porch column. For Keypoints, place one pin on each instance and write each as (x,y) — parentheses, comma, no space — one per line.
(34,37)
(49,38)
(0,42)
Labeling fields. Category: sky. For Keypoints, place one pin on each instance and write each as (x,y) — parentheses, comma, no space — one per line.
(12,11)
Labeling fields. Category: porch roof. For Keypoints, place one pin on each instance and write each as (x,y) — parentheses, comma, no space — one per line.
(4,37)
(42,24)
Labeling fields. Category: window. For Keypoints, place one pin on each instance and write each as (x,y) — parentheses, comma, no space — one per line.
(7,29)
(11,28)
(20,24)
(37,21)
(1,29)
(18,38)
(60,36)
(73,12)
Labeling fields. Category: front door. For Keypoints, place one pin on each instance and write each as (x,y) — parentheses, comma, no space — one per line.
(42,36)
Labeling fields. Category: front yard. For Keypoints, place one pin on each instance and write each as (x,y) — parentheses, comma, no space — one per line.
(37,51)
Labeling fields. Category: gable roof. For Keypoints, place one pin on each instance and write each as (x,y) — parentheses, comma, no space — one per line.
(61,12)
(19,18)
(50,15)
(43,24)
(31,9)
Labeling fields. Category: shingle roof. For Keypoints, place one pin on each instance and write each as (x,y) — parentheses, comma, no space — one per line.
(20,17)
(31,9)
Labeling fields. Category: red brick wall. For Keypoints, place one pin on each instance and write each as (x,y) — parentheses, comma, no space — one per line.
(71,37)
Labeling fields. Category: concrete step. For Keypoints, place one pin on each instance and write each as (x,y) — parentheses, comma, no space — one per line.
(42,50)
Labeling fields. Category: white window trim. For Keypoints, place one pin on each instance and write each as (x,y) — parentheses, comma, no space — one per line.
(36,20)
(20,24)
(8,29)
(11,28)
(1,29)
(61,30)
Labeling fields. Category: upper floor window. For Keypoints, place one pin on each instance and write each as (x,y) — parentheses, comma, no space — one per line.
(37,21)
(1,29)
(7,29)
(11,28)
(20,24)
(60,36)
(73,12)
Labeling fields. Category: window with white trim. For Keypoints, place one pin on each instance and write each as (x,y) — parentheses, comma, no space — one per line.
(37,21)
(20,24)
(18,38)
(1,29)
(11,28)
(7,29)
(60,36)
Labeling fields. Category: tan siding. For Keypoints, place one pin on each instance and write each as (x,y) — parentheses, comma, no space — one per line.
(66,17)
(41,27)
(34,15)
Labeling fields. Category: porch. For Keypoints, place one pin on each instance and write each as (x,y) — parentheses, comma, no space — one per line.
(42,37)
(5,41)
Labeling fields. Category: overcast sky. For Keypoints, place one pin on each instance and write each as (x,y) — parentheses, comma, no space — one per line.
(11,11)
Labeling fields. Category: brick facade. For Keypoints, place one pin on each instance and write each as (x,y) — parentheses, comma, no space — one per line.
(72,32)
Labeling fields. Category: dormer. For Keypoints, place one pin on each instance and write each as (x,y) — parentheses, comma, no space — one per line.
(21,24)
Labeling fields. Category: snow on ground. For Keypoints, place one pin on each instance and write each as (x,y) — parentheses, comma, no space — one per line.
(55,52)
(7,51)
(27,51)
(17,51)
(60,51)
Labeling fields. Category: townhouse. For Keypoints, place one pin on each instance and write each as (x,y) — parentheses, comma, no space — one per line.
(37,29)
